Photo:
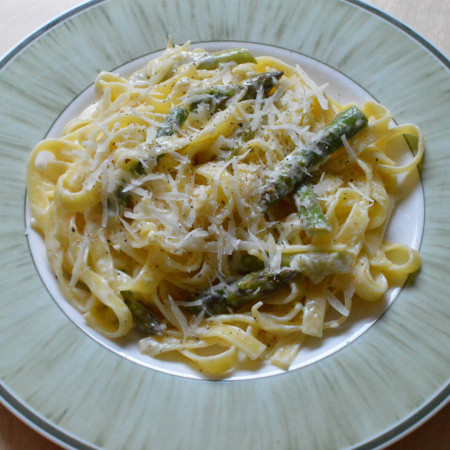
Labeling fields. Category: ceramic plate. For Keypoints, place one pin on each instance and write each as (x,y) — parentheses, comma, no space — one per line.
(367,390)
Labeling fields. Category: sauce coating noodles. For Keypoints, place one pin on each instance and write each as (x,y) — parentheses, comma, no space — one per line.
(150,203)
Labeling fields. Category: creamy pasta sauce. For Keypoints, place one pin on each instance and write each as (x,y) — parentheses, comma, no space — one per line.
(145,212)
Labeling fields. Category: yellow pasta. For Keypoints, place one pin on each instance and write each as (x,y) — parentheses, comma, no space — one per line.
(141,215)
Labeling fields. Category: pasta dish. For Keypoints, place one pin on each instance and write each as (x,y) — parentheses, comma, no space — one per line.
(222,206)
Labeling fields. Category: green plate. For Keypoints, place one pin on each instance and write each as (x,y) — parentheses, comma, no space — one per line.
(82,395)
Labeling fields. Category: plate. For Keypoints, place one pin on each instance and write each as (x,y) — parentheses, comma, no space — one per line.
(83,395)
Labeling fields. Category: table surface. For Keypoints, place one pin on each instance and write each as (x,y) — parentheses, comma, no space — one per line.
(430,18)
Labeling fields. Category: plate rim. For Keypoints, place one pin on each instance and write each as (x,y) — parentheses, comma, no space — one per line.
(11,54)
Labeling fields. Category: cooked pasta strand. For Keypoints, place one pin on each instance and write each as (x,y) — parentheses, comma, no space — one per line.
(152,197)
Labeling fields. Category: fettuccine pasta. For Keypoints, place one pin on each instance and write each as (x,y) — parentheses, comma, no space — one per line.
(150,207)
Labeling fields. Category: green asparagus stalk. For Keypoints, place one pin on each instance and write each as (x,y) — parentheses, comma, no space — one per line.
(265,81)
(313,264)
(143,317)
(244,136)
(123,198)
(220,95)
(244,263)
(295,167)
(317,265)
(260,282)
(308,206)
(248,289)
(217,96)
(238,55)
(173,121)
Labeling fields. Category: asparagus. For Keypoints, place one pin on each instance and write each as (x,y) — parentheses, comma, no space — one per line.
(265,81)
(173,121)
(244,136)
(220,95)
(310,211)
(309,263)
(238,55)
(260,282)
(295,167)
(317,265)
(123,198)
(143,317)
(244,263)
(249,288)
(217,96)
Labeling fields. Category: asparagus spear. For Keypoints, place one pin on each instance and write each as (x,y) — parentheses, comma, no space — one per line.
(295,167)
(249,288)
(143,317)
(265,81)
(244,136)
(310,211)
(317,265)
(220,95)
(244,263)
(257,284)
(238,55)
(312,264)
(173,121)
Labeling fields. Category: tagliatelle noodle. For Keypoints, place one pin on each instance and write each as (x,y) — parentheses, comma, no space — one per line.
(170,230)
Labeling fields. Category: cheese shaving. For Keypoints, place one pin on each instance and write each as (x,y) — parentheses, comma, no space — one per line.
(150,204)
